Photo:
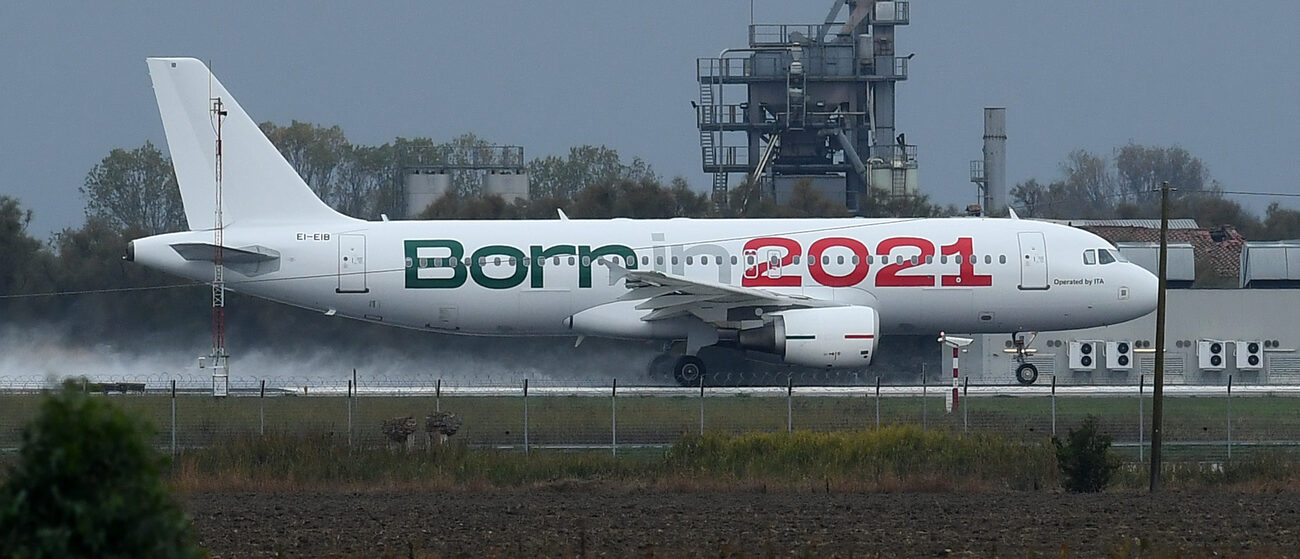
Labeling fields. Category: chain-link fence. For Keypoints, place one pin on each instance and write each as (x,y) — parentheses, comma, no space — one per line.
(1201,423)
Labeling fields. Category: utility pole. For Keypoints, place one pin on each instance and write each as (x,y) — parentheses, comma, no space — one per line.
(1157,390)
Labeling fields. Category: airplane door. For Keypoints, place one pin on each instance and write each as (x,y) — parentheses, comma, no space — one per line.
(773,258)
(352,264)
(1033,261)
(751,264)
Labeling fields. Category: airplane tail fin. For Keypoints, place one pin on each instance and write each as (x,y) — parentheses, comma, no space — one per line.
(258,184)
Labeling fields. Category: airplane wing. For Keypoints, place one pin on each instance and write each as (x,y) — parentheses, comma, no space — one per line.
(670,296)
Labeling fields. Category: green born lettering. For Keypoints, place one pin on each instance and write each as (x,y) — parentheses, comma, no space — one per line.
(587,256)
(539,255)
(481,277)
(413,279)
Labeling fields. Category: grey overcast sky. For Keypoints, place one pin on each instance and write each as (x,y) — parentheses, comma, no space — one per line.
(1219,78)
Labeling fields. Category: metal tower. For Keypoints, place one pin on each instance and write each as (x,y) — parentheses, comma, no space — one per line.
(218,360)
(809,102)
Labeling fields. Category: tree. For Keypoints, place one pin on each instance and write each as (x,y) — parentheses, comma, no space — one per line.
(1084,458)
(1280,223)
(1141,169)
(135,189)
(25,264)
(86,485)
(1030,198)
(586,166)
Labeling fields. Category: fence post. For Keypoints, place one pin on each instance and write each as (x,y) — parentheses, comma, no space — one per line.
(261,410)
(965,410)
(925,406)
(1053,405)
(1141,431)
(701,404)
(613,419)
(877,401)
(525,416)
(173,419)
(437,395)
(1229,417)
(789,404)
(349,402)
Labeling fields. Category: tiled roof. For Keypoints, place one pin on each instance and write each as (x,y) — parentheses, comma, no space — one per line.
(1218,251)
(1143,223)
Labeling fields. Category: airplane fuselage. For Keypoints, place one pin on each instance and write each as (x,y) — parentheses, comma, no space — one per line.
(527,277)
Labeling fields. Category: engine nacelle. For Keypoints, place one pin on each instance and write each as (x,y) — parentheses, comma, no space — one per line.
(833,337)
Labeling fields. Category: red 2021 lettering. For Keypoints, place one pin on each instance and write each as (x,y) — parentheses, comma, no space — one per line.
(766,260)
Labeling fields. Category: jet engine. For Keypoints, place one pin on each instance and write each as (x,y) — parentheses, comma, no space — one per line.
(833,337)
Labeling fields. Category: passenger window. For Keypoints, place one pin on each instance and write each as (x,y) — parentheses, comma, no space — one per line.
(1002,259)
(704,261)
(675,261)
(929,259)
(898,259)
(855,260)
(690,260)
(631,261)
(826,260)
(795,260)
(1104,257)
(733,260)
(659,261)
(586,261)
(572,260)
(645,260)
(957,258)
(943,259)
(916,259)
(1089,257)
(988,258)
(839,259)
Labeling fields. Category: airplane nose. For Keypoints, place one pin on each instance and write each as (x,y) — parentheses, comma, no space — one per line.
(1146,290)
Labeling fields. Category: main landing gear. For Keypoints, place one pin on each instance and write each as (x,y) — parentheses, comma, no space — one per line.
(1026,372)
(685,369)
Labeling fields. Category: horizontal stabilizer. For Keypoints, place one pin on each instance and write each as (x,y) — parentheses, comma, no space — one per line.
(207,252)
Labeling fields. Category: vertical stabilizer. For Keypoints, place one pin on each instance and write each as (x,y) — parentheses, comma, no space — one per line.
(259,187)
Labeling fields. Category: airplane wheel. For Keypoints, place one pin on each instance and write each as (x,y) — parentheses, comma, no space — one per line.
(688,370)
(1026,373)
(661,365)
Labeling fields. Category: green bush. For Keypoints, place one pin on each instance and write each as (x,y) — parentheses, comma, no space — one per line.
(86,485)
(1084,459)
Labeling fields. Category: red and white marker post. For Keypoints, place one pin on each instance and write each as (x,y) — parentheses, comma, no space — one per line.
(956,344)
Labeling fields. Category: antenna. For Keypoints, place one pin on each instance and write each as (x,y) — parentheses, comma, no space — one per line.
(219,359)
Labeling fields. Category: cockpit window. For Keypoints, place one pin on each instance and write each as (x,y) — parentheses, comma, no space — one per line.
(1104,256)
(1090,257)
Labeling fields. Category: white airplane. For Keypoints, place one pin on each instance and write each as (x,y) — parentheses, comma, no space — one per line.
(814,292)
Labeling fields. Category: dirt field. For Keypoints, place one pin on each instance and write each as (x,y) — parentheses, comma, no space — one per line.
(606,522)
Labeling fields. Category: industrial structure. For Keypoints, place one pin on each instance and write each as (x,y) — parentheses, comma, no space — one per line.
(429,172)
(810,102)
(990,173)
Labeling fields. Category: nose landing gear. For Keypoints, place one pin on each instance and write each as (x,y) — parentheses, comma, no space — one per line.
(1026,373)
